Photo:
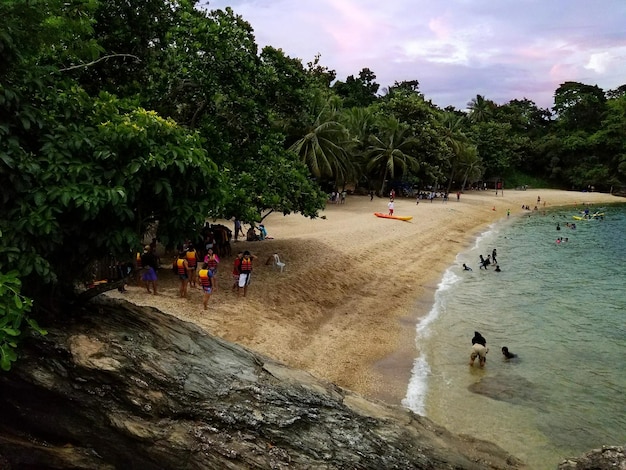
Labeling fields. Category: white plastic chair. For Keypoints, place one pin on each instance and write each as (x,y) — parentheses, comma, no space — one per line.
(278,263)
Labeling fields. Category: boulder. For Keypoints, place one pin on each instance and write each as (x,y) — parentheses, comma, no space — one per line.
(130,387)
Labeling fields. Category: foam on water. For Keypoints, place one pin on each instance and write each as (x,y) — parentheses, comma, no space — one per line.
(416,390)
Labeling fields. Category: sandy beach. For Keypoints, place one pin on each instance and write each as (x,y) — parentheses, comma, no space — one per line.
(354,287)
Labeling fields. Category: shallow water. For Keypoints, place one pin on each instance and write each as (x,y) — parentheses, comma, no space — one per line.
(561,308)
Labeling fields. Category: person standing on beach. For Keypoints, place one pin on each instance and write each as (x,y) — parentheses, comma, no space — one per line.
(245,271)
(390,205)
(212,260)
(192,263)
(150,266)
(236,264)
(479,349)
(183,273)
(238,229)
(205,279)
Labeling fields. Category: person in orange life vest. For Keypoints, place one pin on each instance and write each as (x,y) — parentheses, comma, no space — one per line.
(205,279)
(245,271)
(212,260)
(236,264)
(192,262)
(183,270)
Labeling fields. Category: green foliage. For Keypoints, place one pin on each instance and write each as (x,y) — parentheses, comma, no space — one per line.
(360,91)
(92,179)
(14,308)
(276,180)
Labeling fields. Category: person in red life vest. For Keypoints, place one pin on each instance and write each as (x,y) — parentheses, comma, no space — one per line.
(245,271)
(183,270)
(205,279)
(236,264)
(192,262)
(212,260)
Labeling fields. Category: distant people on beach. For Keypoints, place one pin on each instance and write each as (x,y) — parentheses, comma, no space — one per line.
(238,229)
(498,268)
(466,267)
(479,349)
(390,205)
(493,255)
(251,235)
(507,354)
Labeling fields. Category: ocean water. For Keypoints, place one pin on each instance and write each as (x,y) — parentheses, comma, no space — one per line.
(562,309)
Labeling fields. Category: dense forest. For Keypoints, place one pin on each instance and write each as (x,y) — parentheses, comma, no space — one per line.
(118,114)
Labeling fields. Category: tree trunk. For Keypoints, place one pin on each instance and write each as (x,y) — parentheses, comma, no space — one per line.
(130,387)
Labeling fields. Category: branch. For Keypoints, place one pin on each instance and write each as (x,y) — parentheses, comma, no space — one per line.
(89,64)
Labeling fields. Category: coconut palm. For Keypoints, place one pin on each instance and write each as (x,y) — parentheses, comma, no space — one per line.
(392,150)
(324,144)
(456,141)
(481,109)
(471,164)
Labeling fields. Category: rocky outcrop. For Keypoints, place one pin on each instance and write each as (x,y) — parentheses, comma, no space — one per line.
(606,458)
(130,387)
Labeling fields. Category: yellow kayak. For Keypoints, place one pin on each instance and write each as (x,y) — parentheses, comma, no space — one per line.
(397,217)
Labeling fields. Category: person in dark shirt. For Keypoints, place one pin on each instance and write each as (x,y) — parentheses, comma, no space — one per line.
(507,354)
(149,265)
(479,349)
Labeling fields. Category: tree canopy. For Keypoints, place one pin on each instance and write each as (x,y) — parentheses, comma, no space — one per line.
(121,116)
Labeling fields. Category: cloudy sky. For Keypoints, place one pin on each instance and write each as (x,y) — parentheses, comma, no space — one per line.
(456,49)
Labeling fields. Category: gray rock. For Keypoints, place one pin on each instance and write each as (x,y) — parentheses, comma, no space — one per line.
(606,458)
(133,388)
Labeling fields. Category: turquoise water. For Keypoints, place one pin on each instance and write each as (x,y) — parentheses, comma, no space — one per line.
(562,309)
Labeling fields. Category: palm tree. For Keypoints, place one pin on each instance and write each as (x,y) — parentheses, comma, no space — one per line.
(392,150)
(481,109)
(471,164)
(359,123)
(455,139)
(324,144)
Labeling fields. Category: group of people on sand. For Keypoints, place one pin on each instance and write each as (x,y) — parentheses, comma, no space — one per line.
(187,262)
(338,197)
(479,350)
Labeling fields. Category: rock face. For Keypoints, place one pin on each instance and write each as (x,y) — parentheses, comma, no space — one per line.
(132,388)
(607,458)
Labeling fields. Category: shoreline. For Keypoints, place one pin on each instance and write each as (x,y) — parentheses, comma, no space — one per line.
(355,286)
